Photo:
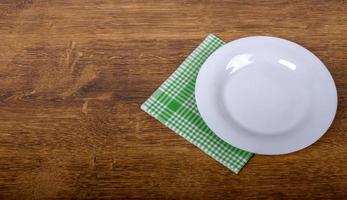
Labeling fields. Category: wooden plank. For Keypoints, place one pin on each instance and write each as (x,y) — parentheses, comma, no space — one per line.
(73,75)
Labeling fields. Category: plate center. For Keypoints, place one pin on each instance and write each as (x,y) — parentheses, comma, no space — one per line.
(265,98)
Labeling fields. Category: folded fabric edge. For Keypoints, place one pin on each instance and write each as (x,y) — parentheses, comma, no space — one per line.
(230,167)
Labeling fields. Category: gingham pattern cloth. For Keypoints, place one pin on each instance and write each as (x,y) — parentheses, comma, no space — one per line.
(174,105)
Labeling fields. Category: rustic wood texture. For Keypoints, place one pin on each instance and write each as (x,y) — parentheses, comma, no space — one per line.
(74,73)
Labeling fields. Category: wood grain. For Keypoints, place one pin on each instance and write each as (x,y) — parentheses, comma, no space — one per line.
(73,75)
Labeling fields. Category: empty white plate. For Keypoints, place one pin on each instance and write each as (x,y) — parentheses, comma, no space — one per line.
(266,95)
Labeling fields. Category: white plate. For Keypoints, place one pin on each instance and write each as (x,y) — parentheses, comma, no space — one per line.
(266,95)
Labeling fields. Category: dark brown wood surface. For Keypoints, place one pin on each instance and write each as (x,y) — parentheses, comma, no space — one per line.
(74,73)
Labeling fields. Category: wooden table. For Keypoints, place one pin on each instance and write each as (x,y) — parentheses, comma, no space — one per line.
(74,73)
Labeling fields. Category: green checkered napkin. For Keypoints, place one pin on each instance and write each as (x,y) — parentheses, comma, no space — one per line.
(174,105)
